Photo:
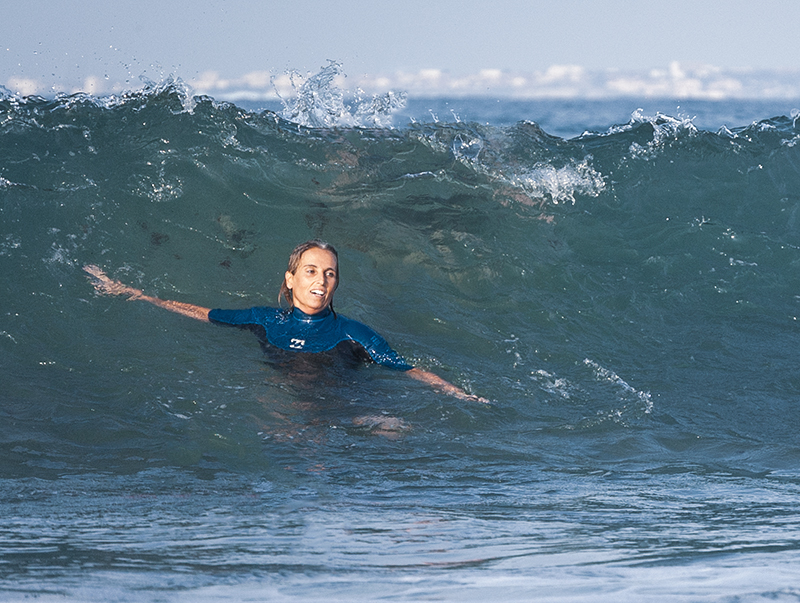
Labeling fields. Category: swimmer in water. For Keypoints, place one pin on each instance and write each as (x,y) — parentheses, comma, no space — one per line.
(309,325)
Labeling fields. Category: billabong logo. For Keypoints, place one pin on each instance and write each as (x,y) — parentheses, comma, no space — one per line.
(297,344)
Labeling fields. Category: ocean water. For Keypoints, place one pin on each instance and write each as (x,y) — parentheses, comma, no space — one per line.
(620,278)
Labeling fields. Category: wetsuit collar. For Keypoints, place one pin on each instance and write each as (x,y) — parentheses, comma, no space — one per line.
(303,317)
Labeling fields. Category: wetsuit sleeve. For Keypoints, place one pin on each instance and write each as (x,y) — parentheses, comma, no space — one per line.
(377,347)
(250,316)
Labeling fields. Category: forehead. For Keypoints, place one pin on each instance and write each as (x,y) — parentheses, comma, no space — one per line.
(321,258)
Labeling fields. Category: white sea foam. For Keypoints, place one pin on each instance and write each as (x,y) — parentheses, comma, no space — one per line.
(562,184)
(626,391)
(318,101)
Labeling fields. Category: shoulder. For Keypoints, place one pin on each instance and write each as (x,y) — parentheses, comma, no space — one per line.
(354,329)
(361,333)
(374,344)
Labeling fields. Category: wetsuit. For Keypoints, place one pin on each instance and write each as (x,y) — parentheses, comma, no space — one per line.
(297,331)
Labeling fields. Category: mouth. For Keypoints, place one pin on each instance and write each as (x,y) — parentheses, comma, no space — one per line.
(318,292)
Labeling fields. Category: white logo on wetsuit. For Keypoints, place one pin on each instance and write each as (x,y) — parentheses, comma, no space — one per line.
(297,344)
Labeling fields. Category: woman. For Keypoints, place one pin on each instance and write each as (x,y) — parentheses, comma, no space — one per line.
(309,325)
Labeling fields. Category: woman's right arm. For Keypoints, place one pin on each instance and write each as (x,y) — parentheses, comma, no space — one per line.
(108,286)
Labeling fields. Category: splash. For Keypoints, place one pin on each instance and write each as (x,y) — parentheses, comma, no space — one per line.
(173,88)
(625,391)
(665,130)
(320,103)
(562,184)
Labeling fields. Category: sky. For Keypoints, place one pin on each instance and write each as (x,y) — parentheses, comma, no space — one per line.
(58,43)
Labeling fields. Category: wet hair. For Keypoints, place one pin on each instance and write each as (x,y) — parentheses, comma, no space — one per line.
(294,264)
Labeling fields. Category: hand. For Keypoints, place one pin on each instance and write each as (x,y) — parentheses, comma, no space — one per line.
(444,386)
(108,286)
(474,398)
(462,395)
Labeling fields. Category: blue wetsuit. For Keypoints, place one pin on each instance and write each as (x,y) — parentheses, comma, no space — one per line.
(297,331)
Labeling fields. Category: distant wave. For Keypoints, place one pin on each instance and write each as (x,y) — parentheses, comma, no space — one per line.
(676,80)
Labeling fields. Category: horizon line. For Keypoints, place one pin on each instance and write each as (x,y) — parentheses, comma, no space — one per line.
(677,80)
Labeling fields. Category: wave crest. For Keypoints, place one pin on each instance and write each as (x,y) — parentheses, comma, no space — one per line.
(320,103)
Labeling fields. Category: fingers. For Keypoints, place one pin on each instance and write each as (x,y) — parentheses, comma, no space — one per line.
(99,279)
(95,271)
(462,395)
(459,393)
(107,286)
(473,398)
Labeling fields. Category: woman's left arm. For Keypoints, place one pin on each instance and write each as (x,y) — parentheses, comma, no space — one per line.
(437,382)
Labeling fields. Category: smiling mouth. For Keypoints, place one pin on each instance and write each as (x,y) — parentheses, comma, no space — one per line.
(318,292)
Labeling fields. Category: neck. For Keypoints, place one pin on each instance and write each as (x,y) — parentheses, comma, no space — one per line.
(298,313)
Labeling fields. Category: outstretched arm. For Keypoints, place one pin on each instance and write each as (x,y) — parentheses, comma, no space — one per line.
(108,286)
(445,386)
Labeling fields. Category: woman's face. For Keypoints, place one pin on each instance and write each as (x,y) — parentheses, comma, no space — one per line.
(314,281)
